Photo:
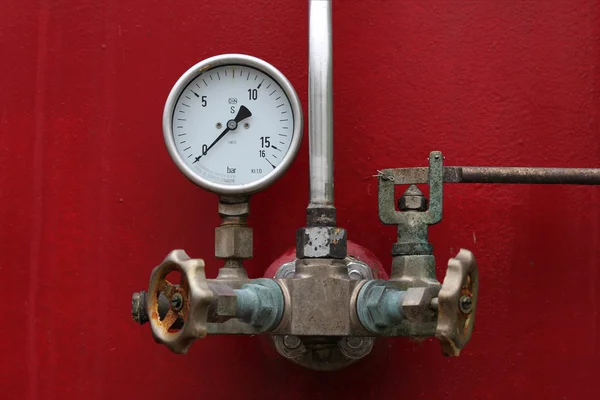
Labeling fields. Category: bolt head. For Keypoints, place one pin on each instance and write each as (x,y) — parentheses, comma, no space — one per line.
(321,242)
(354,342)
(412,203)
(374,306)
(224,304)
(176,302)
(466,304)
(416,303)
(291,342)
(233,242)
(355,275)
(413,200)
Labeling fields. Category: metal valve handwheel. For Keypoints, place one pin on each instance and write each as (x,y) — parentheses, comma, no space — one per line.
(189,301)
(457,303)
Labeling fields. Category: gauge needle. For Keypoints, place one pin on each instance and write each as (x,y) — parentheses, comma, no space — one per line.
(232,125)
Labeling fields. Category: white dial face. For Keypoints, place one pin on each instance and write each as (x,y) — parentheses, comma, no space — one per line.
(232,125)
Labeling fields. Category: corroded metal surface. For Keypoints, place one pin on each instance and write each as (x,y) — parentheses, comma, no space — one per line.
(196,296)
(325,314)
(414,218)
(320,215)
(260,304)
(321,329)
(505,175)
(390,177)
(321,242)
(379,306)
(320,294)
(557,176)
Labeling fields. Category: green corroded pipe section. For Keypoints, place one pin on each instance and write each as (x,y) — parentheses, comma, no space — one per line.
(260,303)
(379,306)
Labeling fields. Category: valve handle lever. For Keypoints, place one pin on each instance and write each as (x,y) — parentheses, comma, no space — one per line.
(190,301)
(457,303)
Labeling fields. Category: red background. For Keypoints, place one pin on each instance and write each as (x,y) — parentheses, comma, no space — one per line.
(90,201)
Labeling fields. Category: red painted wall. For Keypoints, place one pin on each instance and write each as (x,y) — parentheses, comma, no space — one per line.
(90,201)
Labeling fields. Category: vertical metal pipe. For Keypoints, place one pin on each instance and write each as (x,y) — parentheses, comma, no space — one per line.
(320,104)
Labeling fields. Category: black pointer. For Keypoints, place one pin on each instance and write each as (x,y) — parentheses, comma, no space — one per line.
(232,125)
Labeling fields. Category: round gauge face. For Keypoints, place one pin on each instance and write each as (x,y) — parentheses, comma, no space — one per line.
(233,124)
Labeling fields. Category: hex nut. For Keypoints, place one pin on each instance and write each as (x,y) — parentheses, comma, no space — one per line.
(355,347)
(416,303)
(320,215)
(266,306)
(321,242)
(374,306)
(233,242)
(234,209)
(288,352)
(224,304)
(260,304)
(413,203)
(291,341)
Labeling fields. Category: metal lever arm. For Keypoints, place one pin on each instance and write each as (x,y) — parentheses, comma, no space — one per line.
(506,175)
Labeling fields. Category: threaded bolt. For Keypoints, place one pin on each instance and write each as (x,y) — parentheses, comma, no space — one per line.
(138,308)
(291,342)
(176,302)
(466,303)
(354,342)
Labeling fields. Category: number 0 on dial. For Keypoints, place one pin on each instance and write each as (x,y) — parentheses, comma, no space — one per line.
(233,124)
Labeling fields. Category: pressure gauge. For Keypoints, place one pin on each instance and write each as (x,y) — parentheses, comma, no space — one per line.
(233,124)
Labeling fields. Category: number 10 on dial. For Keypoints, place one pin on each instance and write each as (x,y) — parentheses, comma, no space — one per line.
(233,124)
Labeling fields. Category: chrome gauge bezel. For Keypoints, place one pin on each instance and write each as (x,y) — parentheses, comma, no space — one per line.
(242,60)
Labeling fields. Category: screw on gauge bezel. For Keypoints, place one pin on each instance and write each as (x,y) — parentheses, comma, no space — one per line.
(248,61)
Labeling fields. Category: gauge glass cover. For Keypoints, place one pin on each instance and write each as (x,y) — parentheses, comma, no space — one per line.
(233,124)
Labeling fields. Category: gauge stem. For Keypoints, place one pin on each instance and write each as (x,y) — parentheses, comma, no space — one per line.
(320,99)
(233,239)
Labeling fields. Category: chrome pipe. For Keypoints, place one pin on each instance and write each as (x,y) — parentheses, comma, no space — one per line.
(320,104)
